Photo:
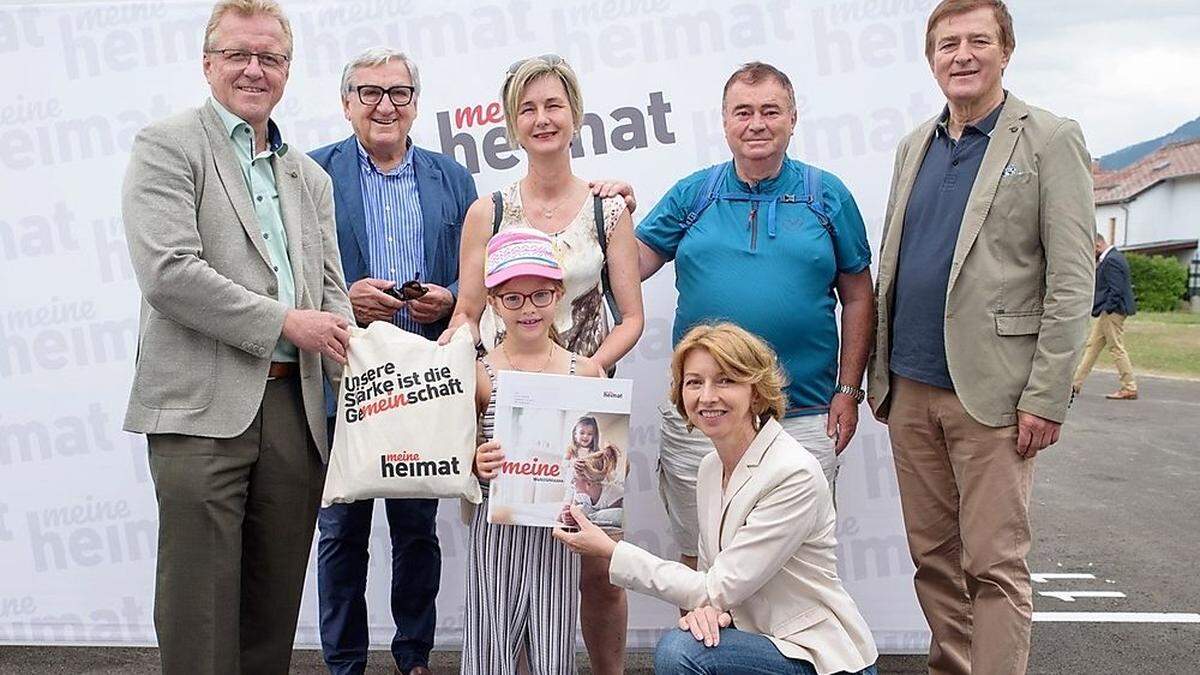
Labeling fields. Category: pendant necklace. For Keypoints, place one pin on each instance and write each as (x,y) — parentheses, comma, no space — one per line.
(513,363)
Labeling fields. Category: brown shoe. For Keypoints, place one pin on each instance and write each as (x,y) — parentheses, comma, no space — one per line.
(1123,395)
(420,670)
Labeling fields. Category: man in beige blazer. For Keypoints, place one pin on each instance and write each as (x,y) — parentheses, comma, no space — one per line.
(231,236)
(984,291)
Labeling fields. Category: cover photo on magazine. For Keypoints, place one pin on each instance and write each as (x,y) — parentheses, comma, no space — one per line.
(565,441)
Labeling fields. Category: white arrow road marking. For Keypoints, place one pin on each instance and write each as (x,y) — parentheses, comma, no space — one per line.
(1041,578)
(1116,617)
(1069,596)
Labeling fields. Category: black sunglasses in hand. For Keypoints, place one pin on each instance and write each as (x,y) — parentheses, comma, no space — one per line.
(409,290)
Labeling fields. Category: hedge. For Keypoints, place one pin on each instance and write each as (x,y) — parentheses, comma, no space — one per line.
(1158,282)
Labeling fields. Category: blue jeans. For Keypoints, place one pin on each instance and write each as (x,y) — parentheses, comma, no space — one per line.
(345,530)
(737,653)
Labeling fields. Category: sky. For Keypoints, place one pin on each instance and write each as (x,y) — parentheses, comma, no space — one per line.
(1126,70)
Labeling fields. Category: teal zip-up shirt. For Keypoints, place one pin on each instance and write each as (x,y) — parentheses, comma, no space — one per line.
(730,266)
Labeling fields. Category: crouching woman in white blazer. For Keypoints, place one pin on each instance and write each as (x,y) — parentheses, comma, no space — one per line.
(766,597)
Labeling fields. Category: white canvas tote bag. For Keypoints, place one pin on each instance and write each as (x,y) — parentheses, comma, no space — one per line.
(405,418)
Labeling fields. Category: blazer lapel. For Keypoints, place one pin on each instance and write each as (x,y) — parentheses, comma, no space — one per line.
(348,186)
(890,248)
(744,471)
(429,181)
(229,171)
(999,151)
(287,183)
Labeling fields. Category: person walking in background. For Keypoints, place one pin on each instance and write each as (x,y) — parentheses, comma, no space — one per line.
(1113,302)
(543,109)
(985,280)
(399,211)
(244,314)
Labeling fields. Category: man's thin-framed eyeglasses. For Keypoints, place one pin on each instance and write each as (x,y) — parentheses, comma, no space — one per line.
(241,57)
(540,298)
(370,94)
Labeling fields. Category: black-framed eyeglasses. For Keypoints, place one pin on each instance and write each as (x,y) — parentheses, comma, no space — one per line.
(241,57)
(539,298)
(370,94)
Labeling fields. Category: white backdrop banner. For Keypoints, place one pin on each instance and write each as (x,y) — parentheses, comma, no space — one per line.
(77,511)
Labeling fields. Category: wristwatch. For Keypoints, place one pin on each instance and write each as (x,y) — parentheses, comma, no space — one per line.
(853,392)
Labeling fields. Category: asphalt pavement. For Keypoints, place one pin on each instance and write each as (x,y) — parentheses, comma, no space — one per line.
(1116,517)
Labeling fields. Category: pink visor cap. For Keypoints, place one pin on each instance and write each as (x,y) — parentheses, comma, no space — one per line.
(520,252)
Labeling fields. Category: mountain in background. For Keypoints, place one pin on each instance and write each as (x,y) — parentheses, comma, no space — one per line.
(1126,156)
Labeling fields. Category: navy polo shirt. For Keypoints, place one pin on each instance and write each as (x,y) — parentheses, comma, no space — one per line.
(931,224)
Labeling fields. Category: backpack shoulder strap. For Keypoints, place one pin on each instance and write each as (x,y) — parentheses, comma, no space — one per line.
(707,194)
(497,211)
(602,239)
(813,195)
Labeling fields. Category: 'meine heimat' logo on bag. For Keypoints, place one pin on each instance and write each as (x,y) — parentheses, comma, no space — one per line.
(410,464)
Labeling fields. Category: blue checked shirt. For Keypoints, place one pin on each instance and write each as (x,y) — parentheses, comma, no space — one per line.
(395,232)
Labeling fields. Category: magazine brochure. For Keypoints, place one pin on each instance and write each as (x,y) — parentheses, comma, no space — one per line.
(565,441)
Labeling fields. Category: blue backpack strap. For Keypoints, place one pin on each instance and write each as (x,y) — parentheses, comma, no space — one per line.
(812,188)
(707,194)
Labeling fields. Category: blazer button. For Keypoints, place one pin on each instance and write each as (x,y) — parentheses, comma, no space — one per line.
(272,289)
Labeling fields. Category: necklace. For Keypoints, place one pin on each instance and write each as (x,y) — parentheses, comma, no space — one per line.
(513,363)
(549,211)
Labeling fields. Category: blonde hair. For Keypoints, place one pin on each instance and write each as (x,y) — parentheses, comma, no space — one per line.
(598,466)
(247,8)
(537,67)
(742,356)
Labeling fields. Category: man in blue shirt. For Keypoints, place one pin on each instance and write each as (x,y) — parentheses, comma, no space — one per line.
(773,245)
(399,212)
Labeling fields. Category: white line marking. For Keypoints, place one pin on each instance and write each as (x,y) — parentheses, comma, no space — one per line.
(1116,617)
(1069,596)
(1041,578)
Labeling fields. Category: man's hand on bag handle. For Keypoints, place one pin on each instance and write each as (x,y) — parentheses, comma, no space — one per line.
(488,458)
(319,332)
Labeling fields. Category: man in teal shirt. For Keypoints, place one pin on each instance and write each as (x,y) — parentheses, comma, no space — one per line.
(773,245)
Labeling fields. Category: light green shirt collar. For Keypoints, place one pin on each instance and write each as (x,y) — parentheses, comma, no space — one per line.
(233,124)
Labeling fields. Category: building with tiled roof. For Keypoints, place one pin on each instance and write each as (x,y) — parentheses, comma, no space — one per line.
(1153,205)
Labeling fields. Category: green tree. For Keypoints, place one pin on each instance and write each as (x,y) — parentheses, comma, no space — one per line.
(1159,282)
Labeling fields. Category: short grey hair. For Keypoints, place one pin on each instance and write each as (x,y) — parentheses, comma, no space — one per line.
(377,56)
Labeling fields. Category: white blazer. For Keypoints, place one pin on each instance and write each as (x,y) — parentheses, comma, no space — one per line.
(766,556)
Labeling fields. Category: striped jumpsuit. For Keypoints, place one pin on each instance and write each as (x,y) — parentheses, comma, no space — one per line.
(522,591)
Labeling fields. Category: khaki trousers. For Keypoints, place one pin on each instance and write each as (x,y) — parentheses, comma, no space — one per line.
(1107,330)
(964,492)
(235,525)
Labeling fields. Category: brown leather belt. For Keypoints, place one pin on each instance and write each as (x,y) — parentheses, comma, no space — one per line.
(282,369)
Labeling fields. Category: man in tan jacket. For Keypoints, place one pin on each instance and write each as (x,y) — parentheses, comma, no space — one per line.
(984,292)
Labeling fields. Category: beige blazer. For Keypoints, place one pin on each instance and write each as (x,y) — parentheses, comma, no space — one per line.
(209,317)
(766,556)
(1021,280)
